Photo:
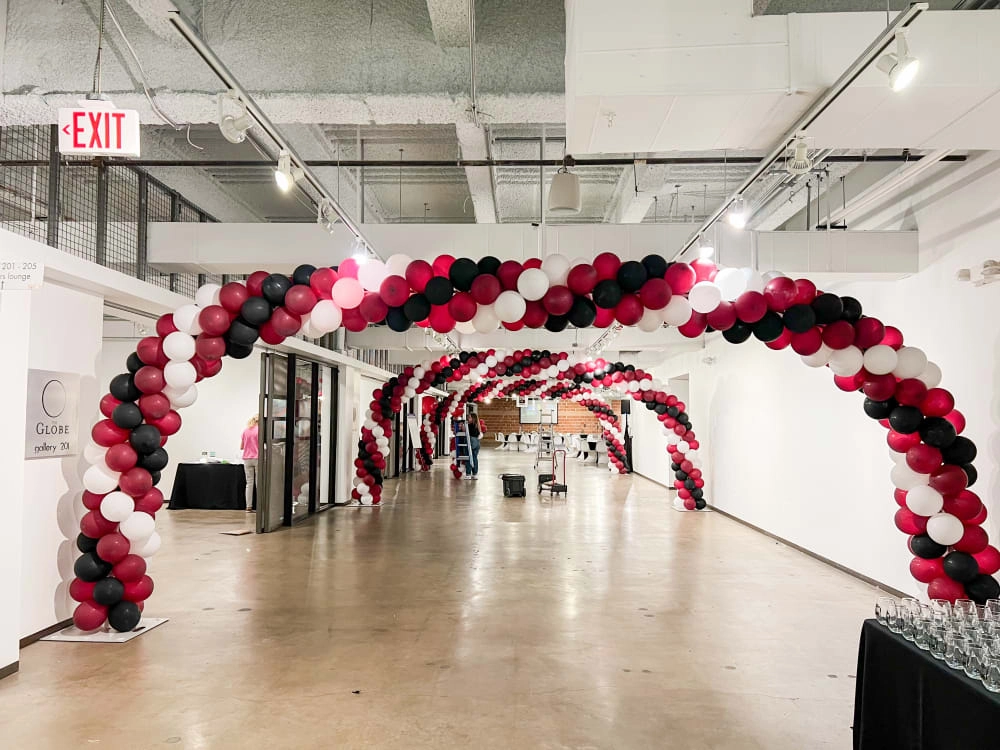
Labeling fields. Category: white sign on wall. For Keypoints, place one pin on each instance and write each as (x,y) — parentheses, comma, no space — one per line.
(99,131)
(52,425)
(21,274)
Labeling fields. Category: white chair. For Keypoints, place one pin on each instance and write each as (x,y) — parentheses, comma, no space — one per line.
(512,443)
(501,442)
(526,440)
(602,451)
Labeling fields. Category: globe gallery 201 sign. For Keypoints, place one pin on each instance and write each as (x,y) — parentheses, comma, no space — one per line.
(52,425)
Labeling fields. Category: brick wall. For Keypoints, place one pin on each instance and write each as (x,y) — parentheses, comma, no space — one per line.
(502,415)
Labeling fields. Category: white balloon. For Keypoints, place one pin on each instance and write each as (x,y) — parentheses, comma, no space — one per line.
(532,284)
(946,529)
(704,297)
(186,319)
(768,275)
(94,453)
(180,374)
(178,346)
(633,386)
(650,321)
(138,527)
(924,500)
(897,458)
(377,430)
(693,456)
(466,327)
(880,359)
(846,362)
(819,358)
(207,294)
(309,330)
(552,371)
(482,369)
(562,365)
(347,293)
(485,321)
(368,424)
(99,479)
(645,384)
(181,398)
(117,506)
(148,548)
(491,361)
(910,362)
(419,372)
(510,306)
(556,267)
(326,316)
(372,274)
(731,283)
(677,312)
(931,376)
(905,478)
(396,265)
(753,280)
(683,446)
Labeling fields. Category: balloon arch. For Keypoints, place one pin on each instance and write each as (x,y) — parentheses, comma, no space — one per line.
(933,462)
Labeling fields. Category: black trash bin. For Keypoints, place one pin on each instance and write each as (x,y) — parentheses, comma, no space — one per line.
(513,485)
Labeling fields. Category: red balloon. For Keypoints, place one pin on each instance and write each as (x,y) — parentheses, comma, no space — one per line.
(781,342)
(780,293)
(923,458)
(286,323)
(214,320)
(629,310)
(210,347)
(442,264)
(138,591)
(150,351)
(975,539)
(322,281)
(605,317)
(807,342)
(805,292)
(850,382)
(937,403)
(81,591)
(980,518)
(168,424)
(902,442)
(910,523)
(680,276)
(269,335)
(582,279)
(440,318)
(517,325)
(232,296)
(911,392)
(89,615)
(300,299)
(689,503)
(151,502)
(136,482)
(868,332)
(112,548)
(373,308)
(462,307)
(92,501)
(418,273)
(721,318)
(900,497)
(839,334)
(485,289)
(94,525)
(165,325)
(131,568)
(893,337)
(108,404)
(207,368)
(606,265)
(106,433)
(254,282)
(394,291)
(559,299)
(121,457)
(750,306)
(964,506)
(508,273)
(704,269)
(957,420)
(655,294)
(695,326)
(533,263)
(535,314)
(348,269)
(944,587)
(925,570)
(150,379)
(879,387)
(949,479)
(989,560)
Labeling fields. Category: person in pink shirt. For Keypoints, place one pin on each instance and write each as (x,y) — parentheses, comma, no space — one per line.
(248,444)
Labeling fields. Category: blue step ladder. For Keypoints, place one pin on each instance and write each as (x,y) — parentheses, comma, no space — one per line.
(463,444)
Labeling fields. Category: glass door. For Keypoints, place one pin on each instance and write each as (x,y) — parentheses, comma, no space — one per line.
(299,466)
(273,435)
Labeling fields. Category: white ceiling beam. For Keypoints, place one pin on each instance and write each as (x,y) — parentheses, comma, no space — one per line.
(472,141)
(155,14)
(628,206)
(450,21)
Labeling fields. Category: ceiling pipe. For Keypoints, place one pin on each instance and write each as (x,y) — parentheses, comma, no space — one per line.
(191,35)
(882,42)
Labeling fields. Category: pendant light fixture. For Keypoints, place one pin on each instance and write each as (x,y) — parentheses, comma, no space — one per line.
(285,176)
(900,66)
(564,192)
(737,214)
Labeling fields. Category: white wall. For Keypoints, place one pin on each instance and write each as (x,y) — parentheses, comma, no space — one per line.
(789,452)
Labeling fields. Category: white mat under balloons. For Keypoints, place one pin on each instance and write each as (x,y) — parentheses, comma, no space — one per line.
(73,634)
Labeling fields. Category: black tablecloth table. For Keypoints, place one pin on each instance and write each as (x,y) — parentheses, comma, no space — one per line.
(906,699)
(209,486)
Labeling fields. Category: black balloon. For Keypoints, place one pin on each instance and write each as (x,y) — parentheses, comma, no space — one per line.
(417,308)
(133,363)
(607,293)
(145,438)
(396,320)
(700,504)
(880,409)
(738,333)
(89,567)
(155,475)
(982,588)
(256,311)
(489,264)
(85,543)
(799,318)
(659,408)
(938,432)
(961,451)
(673,411)
(124,616)
(971,473)
(698,494)
(689,484)
(684,419)
(109,591)
(237,350)
(241,332)
(674,466)
(905,419)
(655,265)
(303,273)
(923,546)
(769,327)
(632,275)
(583,312)
(127,415)
(961,566)
(828,308)
(852,309)
(462,273)
(274,287)
(154,461)
(438,290)
(123,387)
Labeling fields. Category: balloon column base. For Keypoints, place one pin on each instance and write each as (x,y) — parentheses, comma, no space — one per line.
(678,505)
(105,634)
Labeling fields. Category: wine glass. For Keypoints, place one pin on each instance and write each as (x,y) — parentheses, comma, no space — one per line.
(885,610)
(954,652)
(938,641)
(975,662)
(991,674)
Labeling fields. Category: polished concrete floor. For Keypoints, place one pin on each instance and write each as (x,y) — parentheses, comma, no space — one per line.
(452,617)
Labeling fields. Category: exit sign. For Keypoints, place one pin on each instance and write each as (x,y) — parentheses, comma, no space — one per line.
(99,131)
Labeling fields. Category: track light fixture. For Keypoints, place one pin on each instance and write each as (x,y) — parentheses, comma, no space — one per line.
(234,127)
(799,163)
(564,192)
(705,249)
(737,215)
(285,176)
(900,66)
